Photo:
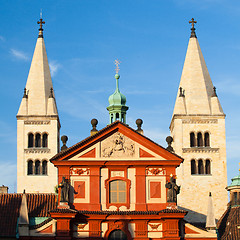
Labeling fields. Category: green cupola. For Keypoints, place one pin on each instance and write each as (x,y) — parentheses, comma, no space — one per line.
(234,189)
(117,104)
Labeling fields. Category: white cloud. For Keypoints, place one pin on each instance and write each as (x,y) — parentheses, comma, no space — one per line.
(54,67)
(19,54)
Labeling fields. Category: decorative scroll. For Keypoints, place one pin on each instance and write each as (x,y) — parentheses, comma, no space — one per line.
(27,122)
(156,171)
(118,145)
(81,226)
(154,226)
(79,171)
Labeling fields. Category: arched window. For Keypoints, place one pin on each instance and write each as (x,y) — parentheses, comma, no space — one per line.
(117,235)
(200,167)
(192,140)
(37,140)
(207,167)
(206,139)
(37,167)
(44,140)
(235,198)
(199,140)
(193,167)
(44,167)
(30,167)
(117,191)
(30,140)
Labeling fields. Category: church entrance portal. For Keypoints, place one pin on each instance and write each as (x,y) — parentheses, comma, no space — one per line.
(117,235)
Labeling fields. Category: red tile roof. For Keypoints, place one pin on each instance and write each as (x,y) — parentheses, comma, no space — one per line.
(38,206)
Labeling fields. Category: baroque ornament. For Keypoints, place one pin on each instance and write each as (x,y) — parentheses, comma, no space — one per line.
(79,171)
(155,171)
(118,146)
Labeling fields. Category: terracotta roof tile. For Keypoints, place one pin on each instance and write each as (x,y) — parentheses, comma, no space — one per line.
(38,206)
(133,212)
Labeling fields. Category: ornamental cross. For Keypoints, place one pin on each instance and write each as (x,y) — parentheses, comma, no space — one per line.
(117,63)
(192,22)
(41,22)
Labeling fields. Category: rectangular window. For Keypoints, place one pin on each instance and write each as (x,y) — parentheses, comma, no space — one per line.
(117,191)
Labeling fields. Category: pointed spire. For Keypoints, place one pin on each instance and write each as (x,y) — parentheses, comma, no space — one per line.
(196,88)
(210,221)
(23,222)
(39,81)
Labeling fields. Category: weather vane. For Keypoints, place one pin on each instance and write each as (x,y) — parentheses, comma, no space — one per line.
(117,63)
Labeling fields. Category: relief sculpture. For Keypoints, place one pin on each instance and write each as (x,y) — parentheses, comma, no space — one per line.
(118,146)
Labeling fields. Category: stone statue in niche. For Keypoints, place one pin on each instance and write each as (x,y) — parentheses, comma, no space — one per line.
(65,187)
(173,190)
(118,146)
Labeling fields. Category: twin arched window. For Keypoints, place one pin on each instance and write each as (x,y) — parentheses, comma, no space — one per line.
(37,140)
(200,166)
(199,140)
(37,167)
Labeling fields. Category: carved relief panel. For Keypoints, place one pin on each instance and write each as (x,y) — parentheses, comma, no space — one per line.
(118,146)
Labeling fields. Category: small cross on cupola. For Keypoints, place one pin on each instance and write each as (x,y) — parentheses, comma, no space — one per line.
(41,22)
(193,34)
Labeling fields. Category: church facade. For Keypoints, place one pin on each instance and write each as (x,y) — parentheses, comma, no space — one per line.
(117,183)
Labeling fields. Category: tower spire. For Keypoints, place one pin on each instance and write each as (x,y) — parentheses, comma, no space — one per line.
(196,85)
(117,101)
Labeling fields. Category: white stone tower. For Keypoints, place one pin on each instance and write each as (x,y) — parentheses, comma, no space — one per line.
(38,127)
(198,130)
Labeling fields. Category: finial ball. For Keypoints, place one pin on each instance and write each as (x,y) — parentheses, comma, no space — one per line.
(94,122)
(64,139)
(169,140)
(117,76)
(139,122)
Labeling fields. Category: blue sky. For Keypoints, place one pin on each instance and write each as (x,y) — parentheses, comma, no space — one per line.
(84,37)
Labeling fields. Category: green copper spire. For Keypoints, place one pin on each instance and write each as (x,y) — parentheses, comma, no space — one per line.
(117,108)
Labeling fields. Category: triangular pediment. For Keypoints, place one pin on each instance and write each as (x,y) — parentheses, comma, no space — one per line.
(116,142)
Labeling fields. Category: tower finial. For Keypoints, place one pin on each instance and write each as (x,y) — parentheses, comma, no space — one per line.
(193,34)
(41,22)
(117,63)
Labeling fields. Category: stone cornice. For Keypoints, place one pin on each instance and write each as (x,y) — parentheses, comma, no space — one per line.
(200,150)
(31,122)
(199,121)
(37,150)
